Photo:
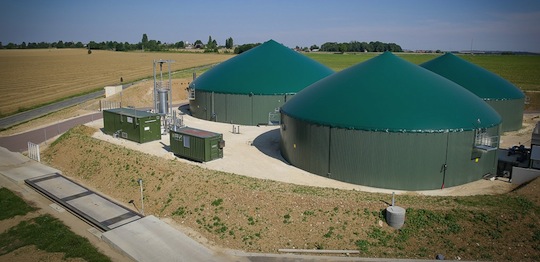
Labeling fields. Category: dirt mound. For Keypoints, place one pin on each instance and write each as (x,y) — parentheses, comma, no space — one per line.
(141,94)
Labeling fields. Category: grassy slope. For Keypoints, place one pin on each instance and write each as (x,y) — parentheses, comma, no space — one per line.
(261,216)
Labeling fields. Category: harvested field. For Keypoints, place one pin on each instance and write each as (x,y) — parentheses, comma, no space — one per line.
(29,78)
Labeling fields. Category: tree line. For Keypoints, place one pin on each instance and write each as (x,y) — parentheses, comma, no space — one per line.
(145,44)
(355,46)
(211,45)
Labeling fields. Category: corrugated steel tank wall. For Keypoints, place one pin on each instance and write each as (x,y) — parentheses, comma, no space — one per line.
(511,112)
(405,161)
(235,108)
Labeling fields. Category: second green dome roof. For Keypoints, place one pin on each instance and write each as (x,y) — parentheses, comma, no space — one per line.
(387,93)
(476,79)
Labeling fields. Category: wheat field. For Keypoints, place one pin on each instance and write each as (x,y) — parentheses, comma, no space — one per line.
(29,78)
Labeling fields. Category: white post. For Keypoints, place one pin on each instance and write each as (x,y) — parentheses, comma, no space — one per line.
(142,197)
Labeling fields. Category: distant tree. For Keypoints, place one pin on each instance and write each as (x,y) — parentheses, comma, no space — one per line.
(330,47)
(129,46)
(23,45)
(343,48)
(153,45)
(120,47)
(79,45)
(110,45)
(180,44)
(211,46)
(313,47)
(198,44)
(229,43)
(92,45)
(377,46)
(60,44)
(1,45)
(393,47)
(243,48)
(365,47)
(144,41)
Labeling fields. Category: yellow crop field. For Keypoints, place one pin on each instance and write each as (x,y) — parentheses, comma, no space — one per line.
(33,77)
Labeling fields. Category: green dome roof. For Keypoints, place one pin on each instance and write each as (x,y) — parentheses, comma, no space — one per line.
(478,80)
(268,69)
(387,93)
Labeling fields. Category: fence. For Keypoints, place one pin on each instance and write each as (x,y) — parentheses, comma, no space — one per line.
(104,104)
(33,151)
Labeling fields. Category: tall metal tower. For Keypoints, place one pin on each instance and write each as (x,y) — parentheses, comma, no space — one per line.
(163,92)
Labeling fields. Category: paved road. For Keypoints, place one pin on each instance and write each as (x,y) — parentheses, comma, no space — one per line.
(19,142)
(12,120)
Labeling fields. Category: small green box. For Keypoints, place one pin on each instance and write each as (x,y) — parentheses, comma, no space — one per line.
(196,144)
(135,125)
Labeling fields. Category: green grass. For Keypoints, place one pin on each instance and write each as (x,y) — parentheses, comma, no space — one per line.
(49,234)
(12,205)
(45,232)
(521,70)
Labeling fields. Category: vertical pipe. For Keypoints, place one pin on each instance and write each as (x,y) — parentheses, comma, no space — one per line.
(213,117)
(445,165)
(329,150)
(155,91)
(170,86)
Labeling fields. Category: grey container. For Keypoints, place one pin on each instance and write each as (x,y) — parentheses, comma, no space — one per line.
(395,216)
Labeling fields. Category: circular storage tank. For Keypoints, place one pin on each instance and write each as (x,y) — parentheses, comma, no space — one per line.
(395,216)
(250,88)
(503,96)
(388,123)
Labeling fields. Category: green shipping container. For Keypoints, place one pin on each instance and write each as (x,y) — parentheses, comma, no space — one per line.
(196,144)
(131,124)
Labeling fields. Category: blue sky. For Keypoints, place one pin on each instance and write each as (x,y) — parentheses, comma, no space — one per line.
(429,24)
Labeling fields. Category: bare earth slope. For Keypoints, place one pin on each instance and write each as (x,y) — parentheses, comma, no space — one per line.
(257,215)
